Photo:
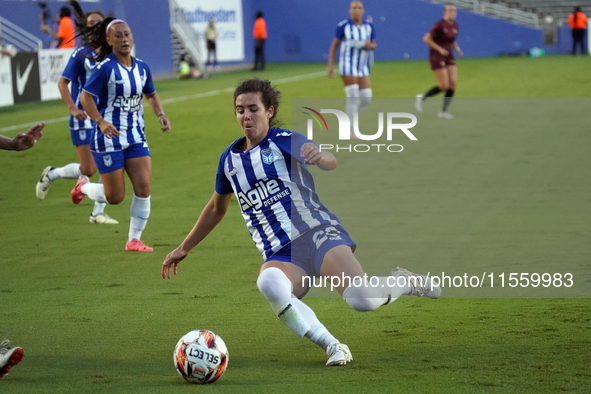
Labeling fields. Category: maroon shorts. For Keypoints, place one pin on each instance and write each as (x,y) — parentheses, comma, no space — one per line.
(438,61)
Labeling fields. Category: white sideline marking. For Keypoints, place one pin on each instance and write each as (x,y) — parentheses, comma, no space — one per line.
(174,99)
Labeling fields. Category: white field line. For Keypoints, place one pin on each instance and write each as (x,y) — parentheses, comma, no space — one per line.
(295,78)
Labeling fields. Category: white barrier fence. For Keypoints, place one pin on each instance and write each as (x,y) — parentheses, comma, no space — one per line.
(32,76)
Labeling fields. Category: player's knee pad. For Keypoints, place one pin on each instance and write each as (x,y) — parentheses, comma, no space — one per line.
(276,288)
(352,90)
(362,298)
(365,97)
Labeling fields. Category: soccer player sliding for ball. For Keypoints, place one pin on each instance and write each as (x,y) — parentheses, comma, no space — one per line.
(297,235)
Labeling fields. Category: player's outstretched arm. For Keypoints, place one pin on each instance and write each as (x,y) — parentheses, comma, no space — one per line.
(212,214)
(22,141)
(156,105)
(321,158)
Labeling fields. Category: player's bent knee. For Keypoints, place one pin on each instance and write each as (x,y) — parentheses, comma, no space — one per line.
(114,199)
(87,170)
(362,298)
(364,304)
(272,284)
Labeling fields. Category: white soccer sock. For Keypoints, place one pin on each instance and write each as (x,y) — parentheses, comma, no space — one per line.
(140,212)
(99,207)
(352,94)
(296,315)
(69,171)
(365,96)
(321,336)
(94,191)
(364,297)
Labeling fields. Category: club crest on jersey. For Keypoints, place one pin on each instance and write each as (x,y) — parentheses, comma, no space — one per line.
(267,156)
(108,160)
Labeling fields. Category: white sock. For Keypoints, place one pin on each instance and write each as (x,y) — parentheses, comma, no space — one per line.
(99,207)
(69,171)
(94,191)
(140,212)
(296,315)
(321,336)
(365,96)
(352,94)
(364,297)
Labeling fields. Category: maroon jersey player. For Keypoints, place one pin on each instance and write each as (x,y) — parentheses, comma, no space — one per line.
(441,40)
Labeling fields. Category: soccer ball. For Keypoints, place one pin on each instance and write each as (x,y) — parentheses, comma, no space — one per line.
(201,357)
(11,49)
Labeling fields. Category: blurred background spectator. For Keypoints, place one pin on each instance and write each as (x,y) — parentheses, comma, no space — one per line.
(210,36)
(65,36)
(578,24)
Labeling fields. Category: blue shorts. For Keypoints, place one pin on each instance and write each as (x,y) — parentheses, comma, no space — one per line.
(308,251)
(112,161)
(81,137)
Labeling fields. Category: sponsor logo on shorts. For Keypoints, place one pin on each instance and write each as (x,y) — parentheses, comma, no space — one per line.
(108,160)
(82,134)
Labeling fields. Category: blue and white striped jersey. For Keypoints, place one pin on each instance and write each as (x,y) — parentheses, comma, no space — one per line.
(274,188)
(77,72)
(120,91)
(353,58)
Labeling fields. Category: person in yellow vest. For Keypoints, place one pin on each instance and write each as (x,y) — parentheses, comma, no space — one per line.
(185,70)
(578,23)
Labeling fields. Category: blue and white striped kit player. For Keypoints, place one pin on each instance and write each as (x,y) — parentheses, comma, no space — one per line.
(353,57)
(78,71)
(120,103)
(274,189)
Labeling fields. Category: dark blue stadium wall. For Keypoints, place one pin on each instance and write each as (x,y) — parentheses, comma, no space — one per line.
(149,21)
(302,30)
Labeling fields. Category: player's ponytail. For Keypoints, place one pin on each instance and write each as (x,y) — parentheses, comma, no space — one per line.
(96,36)
(81,20)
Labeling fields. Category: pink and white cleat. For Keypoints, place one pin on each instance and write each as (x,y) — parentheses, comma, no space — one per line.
(76,193)
(135,245)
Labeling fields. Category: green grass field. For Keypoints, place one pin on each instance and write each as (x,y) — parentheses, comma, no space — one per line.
(494,189)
